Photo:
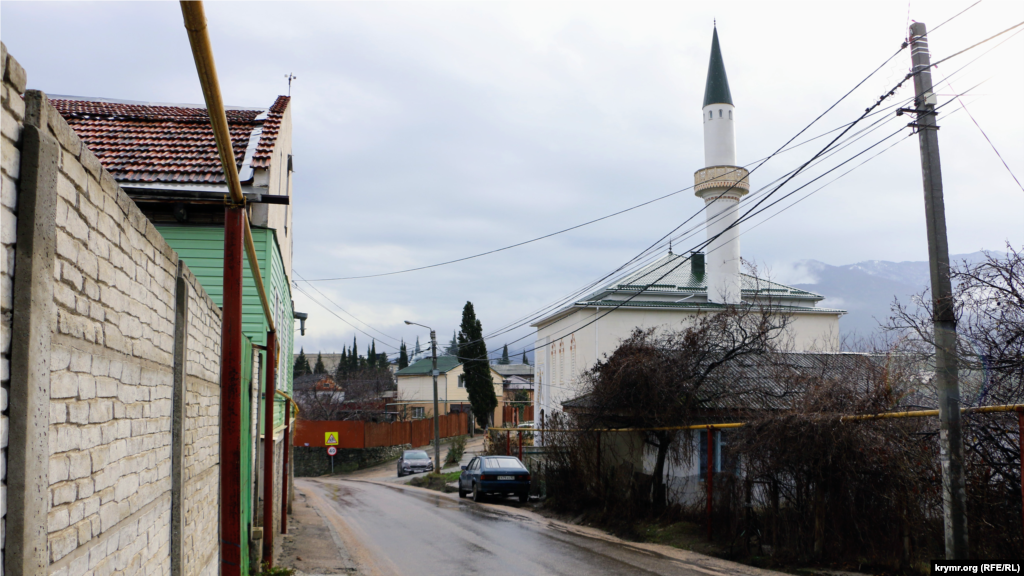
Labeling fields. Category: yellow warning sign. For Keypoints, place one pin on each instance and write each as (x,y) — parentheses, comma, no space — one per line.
(331,438)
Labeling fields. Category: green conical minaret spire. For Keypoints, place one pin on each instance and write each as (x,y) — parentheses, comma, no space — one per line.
(716,91)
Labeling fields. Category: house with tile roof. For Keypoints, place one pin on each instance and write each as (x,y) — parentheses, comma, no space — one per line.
(164,156)
(674,289)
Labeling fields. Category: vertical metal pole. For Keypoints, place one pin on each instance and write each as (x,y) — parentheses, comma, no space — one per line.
(1020,430)
(954,499)
(284,465)
(711,474)
(268,450)
(231,397)
(520,444)
(437,431)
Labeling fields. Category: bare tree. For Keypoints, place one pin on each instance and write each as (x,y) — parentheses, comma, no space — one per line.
(666,379)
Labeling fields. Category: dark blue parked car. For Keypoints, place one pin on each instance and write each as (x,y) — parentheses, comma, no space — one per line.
(502,475)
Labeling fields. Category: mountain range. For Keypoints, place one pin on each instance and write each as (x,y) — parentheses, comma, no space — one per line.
(866,290)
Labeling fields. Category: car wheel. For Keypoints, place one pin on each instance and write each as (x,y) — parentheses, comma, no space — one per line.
(462,493)
(478,496)
(400,473)
(524,498)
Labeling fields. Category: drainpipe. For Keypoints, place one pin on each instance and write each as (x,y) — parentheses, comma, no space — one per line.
(268,450)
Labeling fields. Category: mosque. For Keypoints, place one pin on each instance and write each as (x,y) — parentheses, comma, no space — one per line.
(677,287)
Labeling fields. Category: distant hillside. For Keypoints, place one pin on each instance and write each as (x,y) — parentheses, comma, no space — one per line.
(867,289)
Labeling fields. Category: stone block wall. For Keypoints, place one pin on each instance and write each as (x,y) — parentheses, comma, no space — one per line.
(106,384)
(13,116)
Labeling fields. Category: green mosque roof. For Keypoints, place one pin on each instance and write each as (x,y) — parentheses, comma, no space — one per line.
(716,91)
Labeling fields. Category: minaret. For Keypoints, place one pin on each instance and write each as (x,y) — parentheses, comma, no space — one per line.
(721,184)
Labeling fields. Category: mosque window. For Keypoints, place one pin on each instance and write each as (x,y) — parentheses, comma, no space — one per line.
(711,114)
(719,112)
(730,114)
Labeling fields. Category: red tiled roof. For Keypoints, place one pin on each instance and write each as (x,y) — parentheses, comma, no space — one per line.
(174,144)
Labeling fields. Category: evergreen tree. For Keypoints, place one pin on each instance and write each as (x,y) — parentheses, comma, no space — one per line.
(353,357)
(319,368)
(453,347)
(371,358)
(473,355)
(403,355)
(525,359)
(301,366)
(342,369)
(504,356)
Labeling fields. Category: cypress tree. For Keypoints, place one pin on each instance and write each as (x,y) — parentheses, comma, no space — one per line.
(453,347)
(301,365)
(353,357)
(342,365)
(319,368)
(504,356)
(473,355)
(403,356)
(371,358)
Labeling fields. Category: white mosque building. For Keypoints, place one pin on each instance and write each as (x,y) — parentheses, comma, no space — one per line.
(670,291)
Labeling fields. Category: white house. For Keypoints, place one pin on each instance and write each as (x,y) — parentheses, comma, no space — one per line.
(672,290)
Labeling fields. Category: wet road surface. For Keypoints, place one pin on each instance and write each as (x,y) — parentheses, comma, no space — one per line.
(394,530)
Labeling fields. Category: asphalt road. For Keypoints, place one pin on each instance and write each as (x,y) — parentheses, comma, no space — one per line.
(397,530)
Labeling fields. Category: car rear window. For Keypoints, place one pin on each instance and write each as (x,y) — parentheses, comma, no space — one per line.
(494,463)
(416,455)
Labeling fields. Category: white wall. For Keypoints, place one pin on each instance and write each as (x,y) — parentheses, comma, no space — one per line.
(558,366)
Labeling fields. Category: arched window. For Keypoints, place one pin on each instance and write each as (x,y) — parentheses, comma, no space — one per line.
(730,114)
(719,112)
(711,114)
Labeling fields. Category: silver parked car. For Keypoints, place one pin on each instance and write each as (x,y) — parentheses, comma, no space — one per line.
(414,461)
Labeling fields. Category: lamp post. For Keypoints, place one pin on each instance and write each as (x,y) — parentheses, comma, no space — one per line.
(437,428)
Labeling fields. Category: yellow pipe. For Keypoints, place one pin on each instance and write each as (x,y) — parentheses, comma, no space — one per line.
(254,265)
(202,53)
(856,417)
(294,405)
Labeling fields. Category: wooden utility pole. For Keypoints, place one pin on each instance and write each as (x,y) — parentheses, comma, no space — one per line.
(954,499)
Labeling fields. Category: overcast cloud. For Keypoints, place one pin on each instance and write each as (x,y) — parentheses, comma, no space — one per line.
(430,131)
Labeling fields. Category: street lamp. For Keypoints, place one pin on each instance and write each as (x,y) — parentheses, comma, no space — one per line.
(437,428)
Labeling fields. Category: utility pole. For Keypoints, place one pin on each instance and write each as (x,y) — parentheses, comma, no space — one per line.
(954,498)
(437,428)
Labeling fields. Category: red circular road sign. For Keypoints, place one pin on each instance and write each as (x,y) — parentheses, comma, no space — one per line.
(331,450)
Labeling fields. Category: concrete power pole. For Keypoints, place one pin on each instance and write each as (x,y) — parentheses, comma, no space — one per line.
(954,498)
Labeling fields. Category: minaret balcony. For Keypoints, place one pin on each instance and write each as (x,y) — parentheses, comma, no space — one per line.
(719,177)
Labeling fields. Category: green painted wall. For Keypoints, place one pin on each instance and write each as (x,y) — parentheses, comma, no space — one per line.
(246,480)
(202,248)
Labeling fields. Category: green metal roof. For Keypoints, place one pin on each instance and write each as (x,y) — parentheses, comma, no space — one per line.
(673,274)
(716,91)
(422,367)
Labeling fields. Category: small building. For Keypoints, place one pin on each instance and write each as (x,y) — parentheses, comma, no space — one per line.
(415,398)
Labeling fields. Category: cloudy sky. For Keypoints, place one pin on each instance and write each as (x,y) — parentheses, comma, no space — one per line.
(427,131)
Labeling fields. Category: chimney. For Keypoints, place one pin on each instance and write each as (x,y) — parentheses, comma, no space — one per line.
(697,263)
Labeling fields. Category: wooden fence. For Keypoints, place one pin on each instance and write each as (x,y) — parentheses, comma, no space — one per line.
(509,414)
(358,434)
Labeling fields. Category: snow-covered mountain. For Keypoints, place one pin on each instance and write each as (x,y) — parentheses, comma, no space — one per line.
(866,290)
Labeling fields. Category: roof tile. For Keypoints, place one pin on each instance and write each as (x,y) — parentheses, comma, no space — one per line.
(160,143)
